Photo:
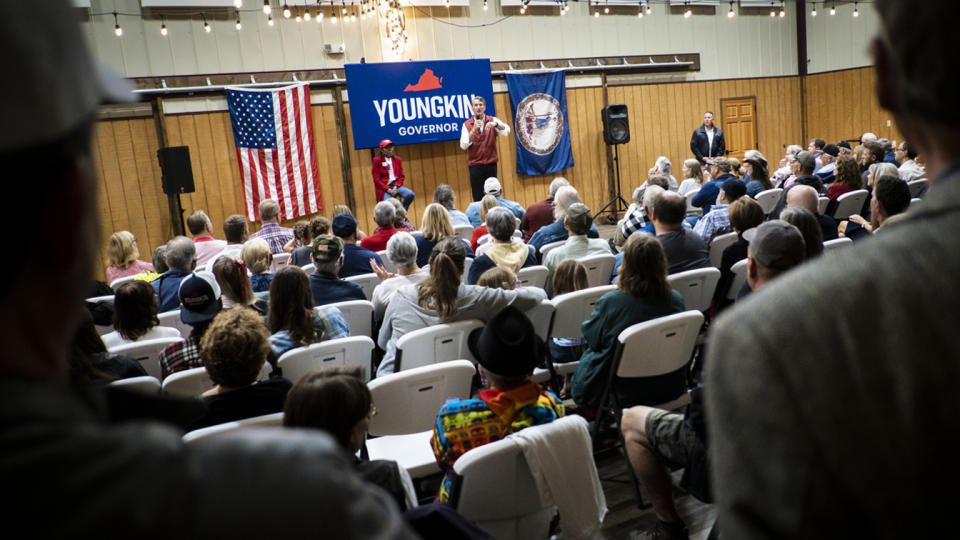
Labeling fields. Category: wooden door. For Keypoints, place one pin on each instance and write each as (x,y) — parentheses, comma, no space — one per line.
(739,125)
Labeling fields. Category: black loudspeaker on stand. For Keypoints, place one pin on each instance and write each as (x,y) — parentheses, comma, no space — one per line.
(616,131)
(177,173)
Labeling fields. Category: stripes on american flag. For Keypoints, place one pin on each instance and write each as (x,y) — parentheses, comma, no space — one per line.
(273,131)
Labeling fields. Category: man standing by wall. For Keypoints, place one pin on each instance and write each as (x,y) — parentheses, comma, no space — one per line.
(707,141)
(478,138)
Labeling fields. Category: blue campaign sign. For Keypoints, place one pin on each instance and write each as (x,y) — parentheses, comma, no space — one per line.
(414,102)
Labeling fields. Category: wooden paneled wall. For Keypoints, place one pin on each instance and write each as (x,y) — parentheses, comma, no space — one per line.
(843,105)
(662,117)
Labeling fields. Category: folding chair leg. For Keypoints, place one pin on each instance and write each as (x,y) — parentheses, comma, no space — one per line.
(633,477)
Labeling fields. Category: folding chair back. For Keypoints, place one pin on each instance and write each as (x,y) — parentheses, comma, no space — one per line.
(836,244)
(279,261)
(265,421)
(696,287)
(599,269)
(849,204)
(739,270)
(145,384)
(768,199)
(358,314)
(171,319)
(717,245)
(388,264)
(367,281)
(464,231)
(572,309)
(438,343)
(189,382)
(349,351)
(547,248)
(533,276)
(147,352)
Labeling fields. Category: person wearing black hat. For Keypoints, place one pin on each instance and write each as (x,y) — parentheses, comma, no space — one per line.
(388,175)
(200,302)
(829,159)
(718,220)
(507,349)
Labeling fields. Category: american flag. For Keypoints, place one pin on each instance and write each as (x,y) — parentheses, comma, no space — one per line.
(274,136)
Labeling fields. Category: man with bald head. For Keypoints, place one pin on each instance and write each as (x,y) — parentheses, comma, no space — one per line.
(807,197)
(684,248)
(181,258)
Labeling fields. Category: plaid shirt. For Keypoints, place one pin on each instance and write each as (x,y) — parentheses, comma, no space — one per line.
(714,223)
(275,235)
(181,356)
(633,220)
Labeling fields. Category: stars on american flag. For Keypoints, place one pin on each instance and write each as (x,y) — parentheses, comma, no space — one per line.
(252,118)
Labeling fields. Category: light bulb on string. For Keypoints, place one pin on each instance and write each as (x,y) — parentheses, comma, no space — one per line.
(306,14)
(773,12)
(116,25)
(833,9)
(286,11)
(238,4)
(238,25)
(484,5)
(606,9)
(856,10)
(687,13)
(731,14)
(783,13)
(206,25)
(266,7)
(163,26)
(270,20)
(813,12)
(649,9)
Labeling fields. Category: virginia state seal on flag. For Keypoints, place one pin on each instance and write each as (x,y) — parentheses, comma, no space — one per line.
(540,121)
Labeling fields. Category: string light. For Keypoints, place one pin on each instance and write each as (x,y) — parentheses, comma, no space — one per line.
(773,12)
(319,12)
(833,10)
(163,26)
(813,12)
(116,25)
(238,26)
(640,10)
(266,7)
(856,10)
(687,12)
(606,9)
(299,17)
(286,11)
(206,25)
(270,20)
(238,4)
(649,9)
(333,17)
(306,14)
(731,14)
(782,12)
(484,5)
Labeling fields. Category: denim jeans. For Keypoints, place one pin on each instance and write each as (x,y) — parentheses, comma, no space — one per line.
(406,196)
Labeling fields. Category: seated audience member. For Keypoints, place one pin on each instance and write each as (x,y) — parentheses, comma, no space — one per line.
(909,169)
(556,232)
(444,196)
(891,196)
(756,168)
(256,255)
(786,168)
(847,179)
(236,231)
(693,177)
(402,250)
(235,285)
(275,235)
(75,471)
(181,257)
(304,233)
(442,298)
(91,363)
(234,350)
(122,254)
(889,156)
(569,277)
(504,249)
(717,222)
(491,186)
(385,215)
(159,260)
(775,247)
(540,213)
(507,349)
(400,220)
(199,303)
(827,172)
(291,317)
(802,164)
(745,214)
(577,222)
(388,175)
(327,260)
(806,197)
(662,168)
(337,401)
(643,293)
(356,259)
(876,170)
(684,248)
(487,203)
(721,170)
(202,231)
(435,226)
(498,277)
(135,316)
(637,217)
(872,153)
(809,228)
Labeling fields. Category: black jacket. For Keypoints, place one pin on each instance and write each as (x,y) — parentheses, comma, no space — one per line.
(700,143)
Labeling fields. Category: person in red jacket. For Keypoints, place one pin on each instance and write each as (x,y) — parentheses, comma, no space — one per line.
(388,175)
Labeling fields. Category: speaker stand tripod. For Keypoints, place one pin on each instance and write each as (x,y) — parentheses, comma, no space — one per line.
(617,204)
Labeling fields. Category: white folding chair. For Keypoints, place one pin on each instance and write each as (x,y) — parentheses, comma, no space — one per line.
(916,186)
(914,201)
(308,269)
(768,199)
(831,246)
(189,382)
(691,209)
(464,231)
(497,491)
(98,299)
(569,312)
(849,204)
(407,404)
(145,384)
(547,248)
(467,262)
(739,270)
(540,316)
(367,281)
(599,268)
(485,239)
(696,287)
(388,264)
(265,421)
(358,314)
(120,281)
(349,351)
(417,233)
(171,319)
(438,343)
(279,261)
(822,203)
(147,352)
(717,245)
(533,276)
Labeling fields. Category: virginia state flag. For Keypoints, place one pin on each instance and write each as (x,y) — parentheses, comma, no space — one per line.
(539,104)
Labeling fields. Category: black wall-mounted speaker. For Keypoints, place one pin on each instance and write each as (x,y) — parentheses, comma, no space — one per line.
(616,125)
(176,169)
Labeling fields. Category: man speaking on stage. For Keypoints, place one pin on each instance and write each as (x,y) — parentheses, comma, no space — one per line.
(478,138)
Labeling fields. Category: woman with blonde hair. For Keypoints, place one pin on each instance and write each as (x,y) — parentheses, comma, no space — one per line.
(436,226)
(487,203)
(643,293)
(122,255)
(235,286)
(256,255)
(442,298)
(692,177)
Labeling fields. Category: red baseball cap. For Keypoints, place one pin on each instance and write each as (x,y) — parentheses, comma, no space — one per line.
(385,143)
